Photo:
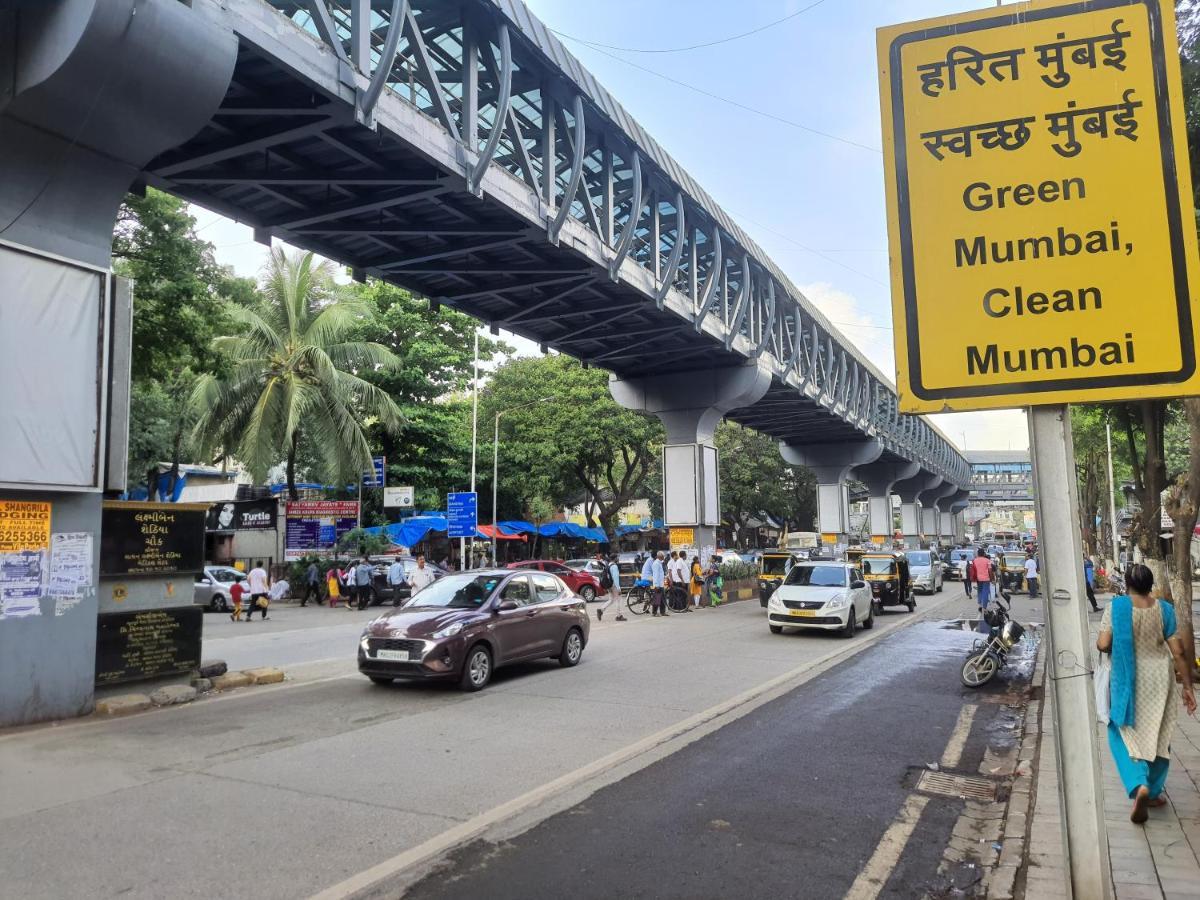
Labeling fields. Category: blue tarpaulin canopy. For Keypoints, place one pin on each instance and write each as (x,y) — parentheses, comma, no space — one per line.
(647,525)
(413,531)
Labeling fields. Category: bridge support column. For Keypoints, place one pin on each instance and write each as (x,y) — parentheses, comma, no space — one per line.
(92,91)
(879,477)
(832,465)
(951,506)
(938,521)
(691,405)
(910,492)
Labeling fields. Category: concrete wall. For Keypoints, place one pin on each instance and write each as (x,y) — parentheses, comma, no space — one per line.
(48,662)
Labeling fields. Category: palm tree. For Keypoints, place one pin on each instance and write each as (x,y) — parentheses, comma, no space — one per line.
(293,376)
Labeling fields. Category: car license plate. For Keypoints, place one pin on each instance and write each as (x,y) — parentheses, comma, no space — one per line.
(393,655)
(804,613)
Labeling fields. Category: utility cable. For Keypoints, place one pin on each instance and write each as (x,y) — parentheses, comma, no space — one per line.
(743,106)
(724,40)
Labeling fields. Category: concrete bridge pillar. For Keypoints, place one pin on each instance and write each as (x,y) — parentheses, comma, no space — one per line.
(879,478)
(91,91)
(691,405)
(934,526)
(832,464)
(911,491)
(951,504)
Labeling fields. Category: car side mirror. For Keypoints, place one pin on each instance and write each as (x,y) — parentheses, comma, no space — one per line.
(858,584)
(206,580)
(506,606)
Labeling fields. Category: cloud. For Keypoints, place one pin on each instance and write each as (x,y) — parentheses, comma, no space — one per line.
(1001,429)
(871,336)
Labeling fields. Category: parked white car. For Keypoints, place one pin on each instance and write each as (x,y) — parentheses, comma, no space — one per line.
(212,587)
(831,596)
(926,570)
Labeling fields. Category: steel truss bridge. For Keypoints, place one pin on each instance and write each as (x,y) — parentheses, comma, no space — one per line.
(458,150)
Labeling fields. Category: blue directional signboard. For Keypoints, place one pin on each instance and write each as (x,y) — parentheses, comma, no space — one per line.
(462,514)
(374,477)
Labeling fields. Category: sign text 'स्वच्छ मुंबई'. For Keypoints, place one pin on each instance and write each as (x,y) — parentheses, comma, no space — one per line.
(1037,183)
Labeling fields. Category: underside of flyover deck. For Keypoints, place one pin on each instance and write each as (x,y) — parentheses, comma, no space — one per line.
(567,225)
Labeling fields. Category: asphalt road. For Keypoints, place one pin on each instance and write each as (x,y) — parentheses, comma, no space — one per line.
(790,801)
(285,790)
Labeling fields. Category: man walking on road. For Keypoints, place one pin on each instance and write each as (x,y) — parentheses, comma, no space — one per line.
(1031,575)
(312,581)
(362,582)
(1089,580)
(260,587)
(422,575)
(395,579)
(658,604)
(610,580)
(981,574)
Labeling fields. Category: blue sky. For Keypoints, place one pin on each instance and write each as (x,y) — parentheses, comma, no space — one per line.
(814,203)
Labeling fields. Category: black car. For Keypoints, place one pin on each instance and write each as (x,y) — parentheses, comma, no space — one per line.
(382,592)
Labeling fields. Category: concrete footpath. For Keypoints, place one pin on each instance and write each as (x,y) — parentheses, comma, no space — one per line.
(1160,859)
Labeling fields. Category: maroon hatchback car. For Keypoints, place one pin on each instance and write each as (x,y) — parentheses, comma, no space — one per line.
(467,625)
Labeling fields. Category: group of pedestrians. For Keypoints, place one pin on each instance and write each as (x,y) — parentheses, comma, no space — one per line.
(980,572)
(355,582)
(666,576)
(254,593)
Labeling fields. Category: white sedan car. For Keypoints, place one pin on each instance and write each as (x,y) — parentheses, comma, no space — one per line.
(831,596)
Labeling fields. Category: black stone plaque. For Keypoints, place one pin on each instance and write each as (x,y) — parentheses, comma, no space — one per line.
(137,645)
(151,538)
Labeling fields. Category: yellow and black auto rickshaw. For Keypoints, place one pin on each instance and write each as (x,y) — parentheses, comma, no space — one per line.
(887,576)
(772,569)
(1011,571)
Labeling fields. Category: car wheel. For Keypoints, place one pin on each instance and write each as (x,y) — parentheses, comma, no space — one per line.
(588,593)
(380,679)
(477,670)
(848,630)
(877,607)
(219,604)
(572,649)
(911,604)
(869,621)
(776,629)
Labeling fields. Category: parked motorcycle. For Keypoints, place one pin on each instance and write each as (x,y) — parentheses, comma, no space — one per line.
(989,654)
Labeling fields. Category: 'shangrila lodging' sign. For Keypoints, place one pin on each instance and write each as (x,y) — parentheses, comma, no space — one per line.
(1039,206)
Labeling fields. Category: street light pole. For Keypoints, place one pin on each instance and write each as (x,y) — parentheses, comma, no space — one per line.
(1112,500)
(496,464)
(462,542)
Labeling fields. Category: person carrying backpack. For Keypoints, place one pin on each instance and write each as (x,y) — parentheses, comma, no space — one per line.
(610,581)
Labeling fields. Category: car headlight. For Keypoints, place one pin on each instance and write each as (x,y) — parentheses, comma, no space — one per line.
(362,642)
(836,603)
(775,601)
(449,631)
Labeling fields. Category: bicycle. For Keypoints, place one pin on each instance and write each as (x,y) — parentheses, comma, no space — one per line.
(677,599)
(638,597)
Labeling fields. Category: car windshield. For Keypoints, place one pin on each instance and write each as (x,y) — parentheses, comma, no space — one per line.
(227,575)
(960,555)
(817,576)
(776,565)
(918,558)
(1014,561)
(456,592)
(577,564)
(878,565)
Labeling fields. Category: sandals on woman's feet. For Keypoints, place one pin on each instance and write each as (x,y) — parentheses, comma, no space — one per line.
(1141,806)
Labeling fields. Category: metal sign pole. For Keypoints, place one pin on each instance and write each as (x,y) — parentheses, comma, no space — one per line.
(1068,651)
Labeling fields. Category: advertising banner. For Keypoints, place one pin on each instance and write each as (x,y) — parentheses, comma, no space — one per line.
(314,526)
(242,515)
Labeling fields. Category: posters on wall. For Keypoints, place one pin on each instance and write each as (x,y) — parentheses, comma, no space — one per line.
(70,578)
(242,515)
(24,546)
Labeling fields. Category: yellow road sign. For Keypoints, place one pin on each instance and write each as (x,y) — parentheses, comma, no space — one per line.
(1043,245)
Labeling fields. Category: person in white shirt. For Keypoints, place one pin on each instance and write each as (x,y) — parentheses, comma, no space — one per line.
(260,586)
(1031,575)
(280,589)
(658,605)
(422,575)
(395,578)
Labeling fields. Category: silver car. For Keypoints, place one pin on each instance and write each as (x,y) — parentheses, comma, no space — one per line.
(926,570)
(212,587)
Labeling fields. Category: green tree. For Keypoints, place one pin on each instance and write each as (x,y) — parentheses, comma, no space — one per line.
(580,440)
(435,353)
(295,371)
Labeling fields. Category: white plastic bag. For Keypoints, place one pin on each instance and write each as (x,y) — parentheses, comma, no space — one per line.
(1102,678)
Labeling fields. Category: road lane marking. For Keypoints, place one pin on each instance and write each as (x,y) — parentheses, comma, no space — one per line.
(879,867)
(958,737)
(697,725)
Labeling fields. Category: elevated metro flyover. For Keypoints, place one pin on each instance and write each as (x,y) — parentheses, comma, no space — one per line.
(457,149)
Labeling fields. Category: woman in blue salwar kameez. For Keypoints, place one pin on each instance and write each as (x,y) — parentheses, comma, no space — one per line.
(1139,631)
